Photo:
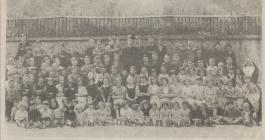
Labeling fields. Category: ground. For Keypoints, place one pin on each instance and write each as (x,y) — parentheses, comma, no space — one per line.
(13,131)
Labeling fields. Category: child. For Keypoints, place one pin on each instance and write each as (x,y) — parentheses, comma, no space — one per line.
(70,117)
(165,113)
(217,114)
(46,115)
(80,117)
(90,113)
(185,114)
(125,114)
(230,92)
(154,115)
(108,115)
(101,114)
(13,111)
(206,114)
(81,92)
(247,114)
(137,115)
(119,92)
(176,118)
(143,89)
(163,74)
(210,93)
(59,116)
(186,91)
(21,116)
(196,115)
(131,90)
(34,116)
(198,90)
(253,96)
(153,90)
(60,88)
(232,115)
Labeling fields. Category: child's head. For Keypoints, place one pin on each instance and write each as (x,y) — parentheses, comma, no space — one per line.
(143,80)
(154,56)
(187,82)
(154,106)
(130,80)
(211,61)
(194,106)
(229,83)
(229,105)
(246,106)
(132,70)
(45,104)
(101,105)
(210,82)
(21,107)
(106,81)
(166,58)
(199,81)
(50,81)
(164,81)
(163,69)
(176,105)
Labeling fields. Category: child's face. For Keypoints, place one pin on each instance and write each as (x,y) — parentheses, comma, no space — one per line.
(194,107)
(212,62)
(132,71)
(164,82)
(21,107)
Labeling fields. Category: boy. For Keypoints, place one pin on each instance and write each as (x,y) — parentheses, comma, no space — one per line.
(90,115)
(59,116)
(231,115)
(70,117)
(154,115)
(46,115)
(34,116)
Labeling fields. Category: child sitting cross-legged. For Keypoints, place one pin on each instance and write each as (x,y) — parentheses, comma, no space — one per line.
(90,113)
(21,116)
(137,117)
(125,113)
(196,115)
(165,113)
(70,117)
(175,117)
(34,116)
(154,115)
(59,116)
(46,115)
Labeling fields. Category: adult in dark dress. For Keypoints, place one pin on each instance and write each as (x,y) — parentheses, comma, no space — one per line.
(161,51)
(230,53)
(130,55)
(23,47)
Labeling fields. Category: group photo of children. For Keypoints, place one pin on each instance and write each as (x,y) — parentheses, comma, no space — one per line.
(106,83)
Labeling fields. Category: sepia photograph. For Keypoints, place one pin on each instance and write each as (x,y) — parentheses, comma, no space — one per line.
(131,69)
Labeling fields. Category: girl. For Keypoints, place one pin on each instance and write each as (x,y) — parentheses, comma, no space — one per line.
(185,114)
(80,116)
(90,114)
(143,89)
(51,90)
(198,91)
(230,92)
(163,74)
(40,87)
(106,91)
(210,93)
(186,91)
(60,88)
(240,91)
(125,114)
(21,116)
(176,118)
(165,90)
(101,114)
(81,92)
(119,92)
(247,114)
(131,90)
(154,115)
(154,91)
(165,113)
